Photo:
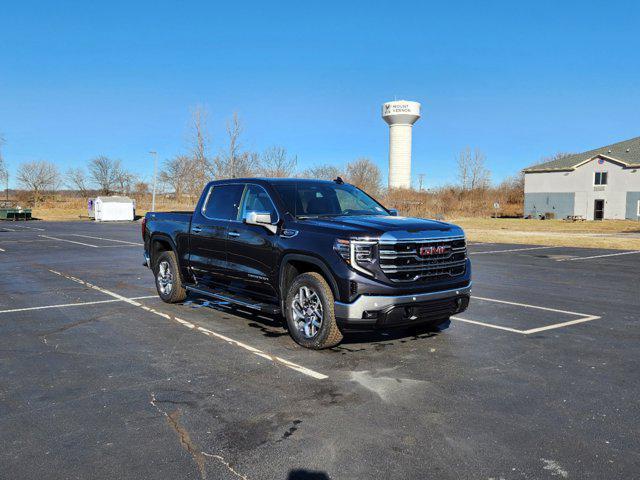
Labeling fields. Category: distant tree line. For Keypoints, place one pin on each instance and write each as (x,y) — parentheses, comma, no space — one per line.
(183,176)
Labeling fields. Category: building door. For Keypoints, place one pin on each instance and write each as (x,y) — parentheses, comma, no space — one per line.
(598,210)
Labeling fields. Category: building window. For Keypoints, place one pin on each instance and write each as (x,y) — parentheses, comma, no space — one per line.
(600,178)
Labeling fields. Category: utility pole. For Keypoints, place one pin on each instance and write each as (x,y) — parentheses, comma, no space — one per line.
(155,171)
(420,181)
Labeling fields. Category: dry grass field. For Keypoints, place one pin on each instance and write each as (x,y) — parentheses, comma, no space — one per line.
(615,234)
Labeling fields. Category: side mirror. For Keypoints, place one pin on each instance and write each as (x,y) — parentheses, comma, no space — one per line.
(393,212)
(260,218)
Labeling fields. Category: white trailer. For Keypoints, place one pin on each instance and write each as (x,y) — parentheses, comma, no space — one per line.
(111,209)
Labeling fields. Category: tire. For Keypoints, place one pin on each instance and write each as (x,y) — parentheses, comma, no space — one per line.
(315,326)
(168,282)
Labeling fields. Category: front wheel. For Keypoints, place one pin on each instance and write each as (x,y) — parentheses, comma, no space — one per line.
(309,312)
(168,283)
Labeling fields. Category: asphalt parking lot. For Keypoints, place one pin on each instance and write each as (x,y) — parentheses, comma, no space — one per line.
(100,379)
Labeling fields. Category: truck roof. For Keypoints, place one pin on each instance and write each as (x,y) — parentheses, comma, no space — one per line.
(272,180)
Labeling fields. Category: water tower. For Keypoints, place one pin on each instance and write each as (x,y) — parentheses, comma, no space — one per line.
(400,115)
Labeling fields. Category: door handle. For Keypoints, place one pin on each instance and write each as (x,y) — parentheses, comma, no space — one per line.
(196,229)
(233,234)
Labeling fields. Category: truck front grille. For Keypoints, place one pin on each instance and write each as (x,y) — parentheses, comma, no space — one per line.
(426,259)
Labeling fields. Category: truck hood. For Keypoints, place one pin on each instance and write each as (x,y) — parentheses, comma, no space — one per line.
(387,227)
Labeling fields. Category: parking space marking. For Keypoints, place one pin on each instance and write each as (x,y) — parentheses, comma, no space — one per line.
(585,318)
(526,305)
(560,325)
(597,256)
(205,331)
(2,250)
(511,250)
(107,239)
(29,228)
(490,325)
(65,305)
(70,241)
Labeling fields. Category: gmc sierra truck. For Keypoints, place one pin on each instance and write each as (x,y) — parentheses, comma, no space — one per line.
(324,254)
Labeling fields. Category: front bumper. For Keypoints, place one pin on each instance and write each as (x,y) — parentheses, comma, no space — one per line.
(380,311)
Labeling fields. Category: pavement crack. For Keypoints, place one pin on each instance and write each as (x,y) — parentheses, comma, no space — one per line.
(173,419)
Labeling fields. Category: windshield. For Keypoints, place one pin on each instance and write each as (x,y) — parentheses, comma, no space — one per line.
(308,199)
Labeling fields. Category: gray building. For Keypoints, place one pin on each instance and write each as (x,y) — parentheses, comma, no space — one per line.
(599,184)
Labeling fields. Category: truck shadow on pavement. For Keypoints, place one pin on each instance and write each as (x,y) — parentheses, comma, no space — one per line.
(275,326)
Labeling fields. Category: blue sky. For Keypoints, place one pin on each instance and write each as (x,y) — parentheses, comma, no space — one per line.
(518,80)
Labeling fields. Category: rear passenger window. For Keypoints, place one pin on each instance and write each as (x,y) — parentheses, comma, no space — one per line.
(223,201)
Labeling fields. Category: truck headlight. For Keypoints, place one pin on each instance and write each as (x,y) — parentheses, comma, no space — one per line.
(360,254)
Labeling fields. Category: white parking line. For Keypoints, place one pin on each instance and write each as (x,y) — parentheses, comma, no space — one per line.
(2,250)
(65,305)
(510,250)
(107,239)
(490,325)
(526,305)
(585,318)
(29,228)
(205,331)
(70,241)
(597,256)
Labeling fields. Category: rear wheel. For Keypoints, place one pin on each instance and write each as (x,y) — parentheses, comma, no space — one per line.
(168,283)
(309,312)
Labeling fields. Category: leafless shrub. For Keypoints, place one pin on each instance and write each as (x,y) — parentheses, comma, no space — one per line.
(275,162)
(38,177)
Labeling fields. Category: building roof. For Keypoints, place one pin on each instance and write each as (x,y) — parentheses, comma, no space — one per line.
(626,153)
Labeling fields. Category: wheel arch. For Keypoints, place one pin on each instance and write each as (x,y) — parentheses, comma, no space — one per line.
(160,242)
(293,264)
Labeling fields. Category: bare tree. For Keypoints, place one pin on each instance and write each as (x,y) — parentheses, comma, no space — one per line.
(77,179)
(124,180)
(472,173)
(480,175)
(104,172)
(4,171)
(364,174)
(420,181)
(177,174)
(38,177)
(198,167)
(275,162)
(556,156)
(322,172)
(233,162)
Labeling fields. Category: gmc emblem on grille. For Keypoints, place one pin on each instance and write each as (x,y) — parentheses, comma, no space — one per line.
(426,251)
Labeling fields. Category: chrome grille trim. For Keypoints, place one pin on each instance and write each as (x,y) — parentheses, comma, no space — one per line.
(406,265)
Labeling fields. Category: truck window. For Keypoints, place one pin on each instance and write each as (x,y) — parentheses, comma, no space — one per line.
(222,202)
(256,199)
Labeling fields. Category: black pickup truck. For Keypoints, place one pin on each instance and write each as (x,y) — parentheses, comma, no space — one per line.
(324,254)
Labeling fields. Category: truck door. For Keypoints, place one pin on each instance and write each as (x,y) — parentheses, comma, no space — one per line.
(252,249)
(209,227)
